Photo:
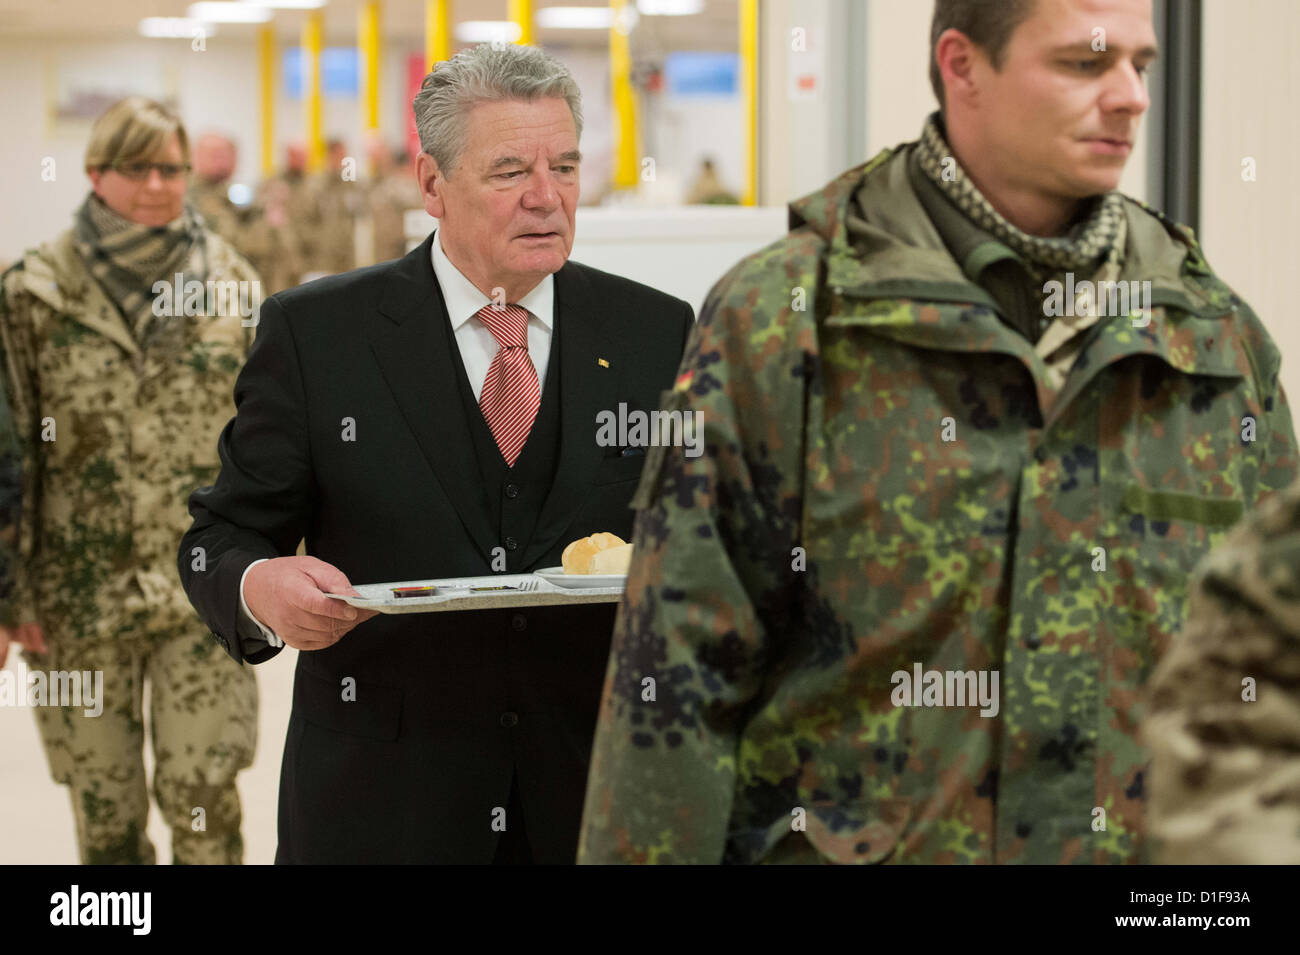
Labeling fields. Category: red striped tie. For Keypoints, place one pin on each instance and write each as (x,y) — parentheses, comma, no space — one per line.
(511,396)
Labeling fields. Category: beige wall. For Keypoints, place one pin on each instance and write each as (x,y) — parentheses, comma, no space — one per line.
(898,87)
(1250,94)
(798,135)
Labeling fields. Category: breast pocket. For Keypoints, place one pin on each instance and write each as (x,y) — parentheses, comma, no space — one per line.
(1178,466)
(1173,444)
(621,468)
(1177,472)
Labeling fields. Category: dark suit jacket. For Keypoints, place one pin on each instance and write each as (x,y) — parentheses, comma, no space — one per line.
(449,705)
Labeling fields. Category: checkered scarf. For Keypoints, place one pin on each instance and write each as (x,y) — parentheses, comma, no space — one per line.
(1081,250)
(127,258)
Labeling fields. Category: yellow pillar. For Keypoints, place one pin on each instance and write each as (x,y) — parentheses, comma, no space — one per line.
(368,50)
(266,80)
(749,96)
(437,32)
(311,46)
(623,97)
(521,12)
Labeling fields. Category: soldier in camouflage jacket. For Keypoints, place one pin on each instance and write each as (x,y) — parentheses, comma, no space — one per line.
(117,388)
(896,481)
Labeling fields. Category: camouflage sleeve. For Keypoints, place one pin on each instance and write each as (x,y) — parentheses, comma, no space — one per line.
(1224,728)
(11,500)
(1280,463)
(710,588)
(19,467)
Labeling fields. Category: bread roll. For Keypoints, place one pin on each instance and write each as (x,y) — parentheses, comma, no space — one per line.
(578,556)
(615,560)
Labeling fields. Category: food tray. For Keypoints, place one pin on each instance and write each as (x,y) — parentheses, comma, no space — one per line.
(534,592)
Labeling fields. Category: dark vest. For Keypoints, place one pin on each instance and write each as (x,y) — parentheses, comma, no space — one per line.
(513,496)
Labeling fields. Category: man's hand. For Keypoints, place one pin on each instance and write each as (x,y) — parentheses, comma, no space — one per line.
(26,635)
(287,594)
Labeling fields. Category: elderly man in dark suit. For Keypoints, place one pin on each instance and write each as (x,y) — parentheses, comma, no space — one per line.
(436,416)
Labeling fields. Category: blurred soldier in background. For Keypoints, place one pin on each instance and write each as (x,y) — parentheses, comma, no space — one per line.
(1224,728)
(261,232)
(297,184)
(329,232)
(707,189)
(393,191)
(119,377)
(286,200)
(269,240)
(214,163)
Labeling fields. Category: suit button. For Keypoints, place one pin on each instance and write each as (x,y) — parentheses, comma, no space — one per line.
(512,491)
(512,544)
(509,719)
(518,622)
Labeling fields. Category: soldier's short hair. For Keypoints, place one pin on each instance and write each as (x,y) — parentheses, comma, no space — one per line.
(484,74)
(133,129)
(987,23)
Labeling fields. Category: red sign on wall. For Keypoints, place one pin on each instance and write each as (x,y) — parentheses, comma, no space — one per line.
(415,74)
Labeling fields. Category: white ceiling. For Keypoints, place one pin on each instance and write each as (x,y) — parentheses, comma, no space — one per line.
(713,29)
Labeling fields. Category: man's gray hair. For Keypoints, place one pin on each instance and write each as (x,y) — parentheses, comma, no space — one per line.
(485,74)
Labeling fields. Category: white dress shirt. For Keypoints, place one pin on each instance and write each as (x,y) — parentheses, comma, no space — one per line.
(477,349)
(475,341)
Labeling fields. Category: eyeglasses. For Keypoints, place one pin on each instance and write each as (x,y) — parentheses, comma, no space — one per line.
(139,171)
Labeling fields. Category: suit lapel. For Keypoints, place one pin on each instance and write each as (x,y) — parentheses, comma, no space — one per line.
(586,387)
(410,347)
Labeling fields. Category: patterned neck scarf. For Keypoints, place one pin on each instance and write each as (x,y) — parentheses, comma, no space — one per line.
(127,258)
(1080,250)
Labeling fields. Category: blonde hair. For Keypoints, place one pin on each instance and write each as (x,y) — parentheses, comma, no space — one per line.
(133,130)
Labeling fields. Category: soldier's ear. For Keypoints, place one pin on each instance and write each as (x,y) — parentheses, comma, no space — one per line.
(431,182)
(958,59)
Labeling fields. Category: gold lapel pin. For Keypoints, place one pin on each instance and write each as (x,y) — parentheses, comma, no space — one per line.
(602,363)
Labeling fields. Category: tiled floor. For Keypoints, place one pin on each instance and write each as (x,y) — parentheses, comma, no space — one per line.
(36,824)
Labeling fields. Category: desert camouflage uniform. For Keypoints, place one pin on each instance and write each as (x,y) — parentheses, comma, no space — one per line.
(297,238)
(114,435)
(220,215)
(11,498)
(1052,546)
(389,198)
(1224,728)
(329,233)
(272,250)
